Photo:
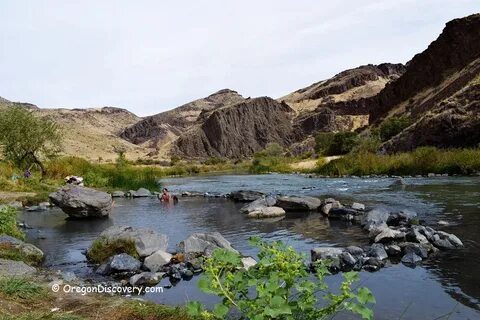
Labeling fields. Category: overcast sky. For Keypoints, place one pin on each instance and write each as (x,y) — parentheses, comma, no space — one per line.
(150,56)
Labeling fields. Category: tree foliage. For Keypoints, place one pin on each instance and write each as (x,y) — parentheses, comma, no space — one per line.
(27,139)
(279,286)
(393,126)
(332,144)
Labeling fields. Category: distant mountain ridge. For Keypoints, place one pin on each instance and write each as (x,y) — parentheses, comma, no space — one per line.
(438,90)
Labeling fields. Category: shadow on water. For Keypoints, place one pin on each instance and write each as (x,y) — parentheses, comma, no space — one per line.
(426,292)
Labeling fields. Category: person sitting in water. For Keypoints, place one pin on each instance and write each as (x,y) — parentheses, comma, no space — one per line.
(165,195)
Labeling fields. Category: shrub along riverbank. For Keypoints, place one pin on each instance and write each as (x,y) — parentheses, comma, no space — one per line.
(422,161)
(109,176)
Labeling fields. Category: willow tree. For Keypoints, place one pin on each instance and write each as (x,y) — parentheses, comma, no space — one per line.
(26,139)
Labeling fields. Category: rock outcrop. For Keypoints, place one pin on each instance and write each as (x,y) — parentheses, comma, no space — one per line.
(81,202)
(239,130)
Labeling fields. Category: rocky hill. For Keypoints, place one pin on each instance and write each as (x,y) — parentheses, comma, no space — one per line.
(238,130)
(94,133)
(160,130)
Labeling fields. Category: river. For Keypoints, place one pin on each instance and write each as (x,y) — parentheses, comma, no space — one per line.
(446,283)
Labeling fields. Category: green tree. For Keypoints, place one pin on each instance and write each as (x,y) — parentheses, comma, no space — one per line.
(393,126)
(28,140)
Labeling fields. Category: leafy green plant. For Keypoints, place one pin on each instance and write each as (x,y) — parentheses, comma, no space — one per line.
(279,286)
(8,222)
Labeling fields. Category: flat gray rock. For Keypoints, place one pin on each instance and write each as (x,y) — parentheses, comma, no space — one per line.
(15,268)
(298,203)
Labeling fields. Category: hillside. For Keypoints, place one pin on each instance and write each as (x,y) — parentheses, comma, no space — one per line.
(159,131)
(238,130)
(93,133)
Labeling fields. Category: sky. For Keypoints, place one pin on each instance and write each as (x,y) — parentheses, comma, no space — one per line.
(151,56)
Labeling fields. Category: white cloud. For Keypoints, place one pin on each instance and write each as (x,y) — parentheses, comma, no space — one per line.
(150,56)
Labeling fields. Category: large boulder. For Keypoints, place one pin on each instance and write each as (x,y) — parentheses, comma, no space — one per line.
(81,202)
(298,203)
(146,240)
(204,243)
(377,250)
(246,195)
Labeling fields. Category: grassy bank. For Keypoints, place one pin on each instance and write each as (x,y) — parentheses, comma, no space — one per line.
(109,176)
(419,162)
(32,299)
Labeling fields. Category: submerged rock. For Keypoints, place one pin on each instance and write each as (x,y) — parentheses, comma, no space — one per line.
(298,203)
(80,202)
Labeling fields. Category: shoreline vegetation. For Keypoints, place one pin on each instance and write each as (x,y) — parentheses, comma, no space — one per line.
(124,175)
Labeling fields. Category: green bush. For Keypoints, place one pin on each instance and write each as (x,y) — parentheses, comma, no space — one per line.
(332,144)
(393,126)
(277,287)
(8,222)
(270,159)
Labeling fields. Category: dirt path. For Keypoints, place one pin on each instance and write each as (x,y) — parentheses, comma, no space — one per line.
(311,164)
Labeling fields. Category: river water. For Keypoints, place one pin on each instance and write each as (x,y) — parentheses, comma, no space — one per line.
(445,284)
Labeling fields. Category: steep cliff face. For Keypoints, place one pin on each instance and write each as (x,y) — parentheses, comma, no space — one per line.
(239,130)
(453,122)
(162,128)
